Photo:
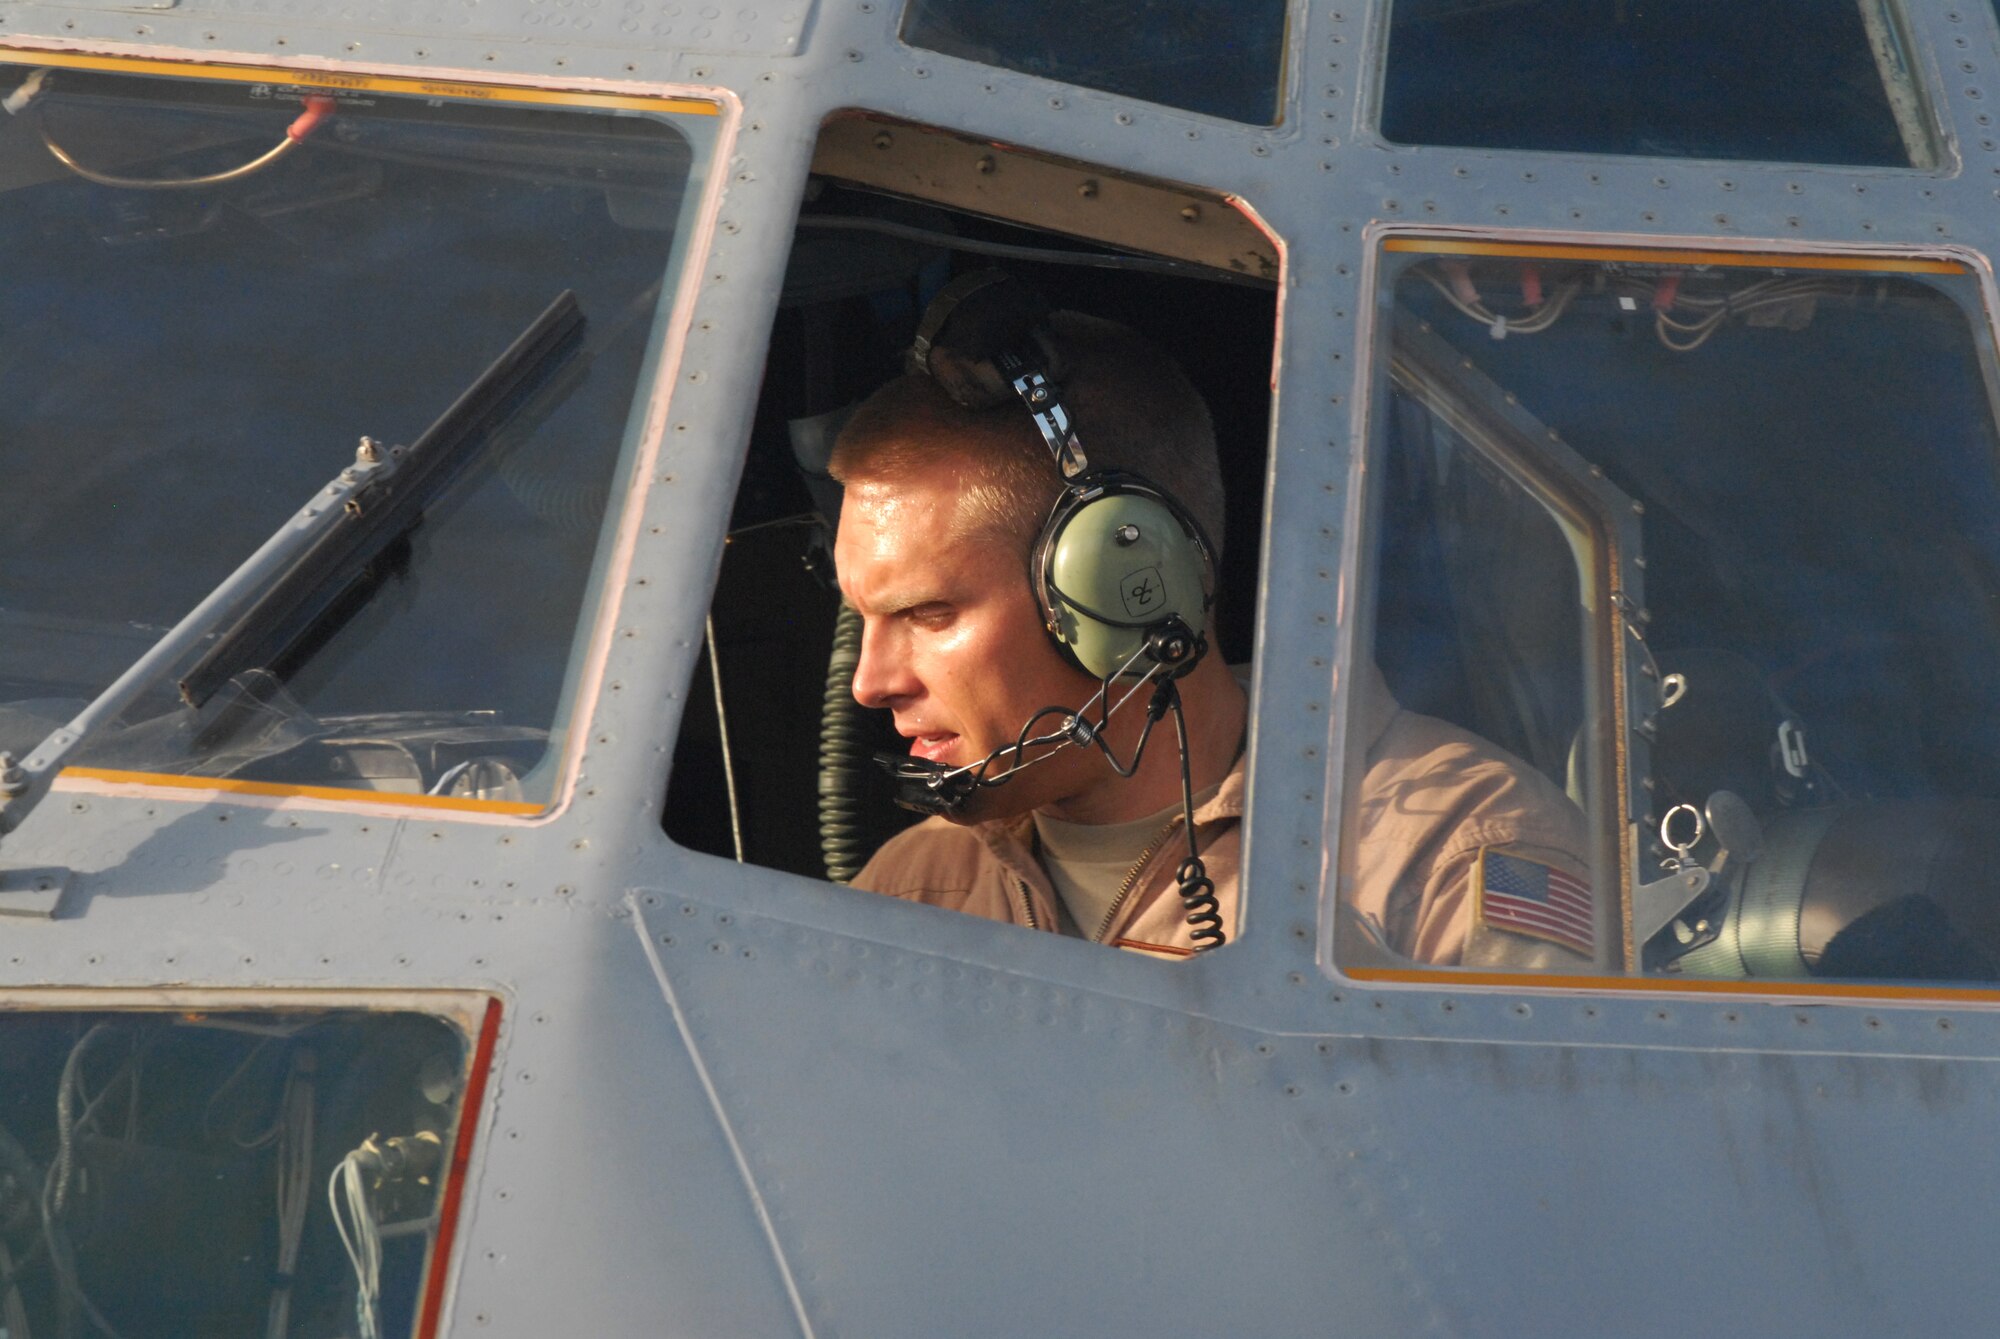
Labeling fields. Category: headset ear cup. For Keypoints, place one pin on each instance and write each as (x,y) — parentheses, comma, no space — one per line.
(1117,560)
(1059,621)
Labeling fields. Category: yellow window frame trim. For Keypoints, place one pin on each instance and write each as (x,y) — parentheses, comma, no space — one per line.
(337,82)
(1666,255)
(104,779)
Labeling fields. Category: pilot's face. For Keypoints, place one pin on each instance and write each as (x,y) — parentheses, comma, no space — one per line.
(952,638)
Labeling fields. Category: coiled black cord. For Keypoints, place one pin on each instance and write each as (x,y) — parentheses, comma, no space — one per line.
(1196,889)
(1204,913)
(843,756)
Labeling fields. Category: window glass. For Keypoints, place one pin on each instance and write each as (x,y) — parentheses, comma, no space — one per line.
(1219,57)
(1779,80)
(1683,618)
(168,1174)
(195,334)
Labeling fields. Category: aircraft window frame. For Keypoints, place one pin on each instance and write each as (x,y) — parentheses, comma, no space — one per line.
(1961,276)
(706,120)
(1130,221)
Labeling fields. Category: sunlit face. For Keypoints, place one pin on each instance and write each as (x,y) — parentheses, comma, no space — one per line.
(952,638)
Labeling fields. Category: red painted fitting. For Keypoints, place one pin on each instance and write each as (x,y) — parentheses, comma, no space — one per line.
(1531,285)
(318,108)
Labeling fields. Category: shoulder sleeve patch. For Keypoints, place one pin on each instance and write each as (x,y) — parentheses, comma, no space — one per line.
(1512,892)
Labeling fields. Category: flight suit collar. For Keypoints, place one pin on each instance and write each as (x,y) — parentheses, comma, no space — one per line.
(1011,842)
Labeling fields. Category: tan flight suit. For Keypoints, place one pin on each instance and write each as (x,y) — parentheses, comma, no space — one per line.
(1431,797)
(989,869)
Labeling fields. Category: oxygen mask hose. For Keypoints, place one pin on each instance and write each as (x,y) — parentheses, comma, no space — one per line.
(843,757)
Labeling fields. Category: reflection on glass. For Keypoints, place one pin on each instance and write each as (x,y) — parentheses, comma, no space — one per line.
(1220,57)
(1467,841)
(167,1174)
(1779,80)
(182,366)
(1800,598)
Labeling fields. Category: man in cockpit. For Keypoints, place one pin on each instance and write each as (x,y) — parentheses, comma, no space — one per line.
(942,505)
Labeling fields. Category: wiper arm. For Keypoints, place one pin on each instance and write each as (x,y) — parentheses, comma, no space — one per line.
(308,590)
(23,783)
(305,566)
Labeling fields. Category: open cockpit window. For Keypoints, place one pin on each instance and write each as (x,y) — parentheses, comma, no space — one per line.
(1796,81)
(217,288)
(897,626)
(1682,646)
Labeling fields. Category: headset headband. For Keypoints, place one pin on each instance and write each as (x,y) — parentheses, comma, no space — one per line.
(981,352)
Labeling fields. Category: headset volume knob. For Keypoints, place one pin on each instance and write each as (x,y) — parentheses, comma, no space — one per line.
(1126,534)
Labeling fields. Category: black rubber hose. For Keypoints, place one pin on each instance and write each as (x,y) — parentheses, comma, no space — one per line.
(843,756)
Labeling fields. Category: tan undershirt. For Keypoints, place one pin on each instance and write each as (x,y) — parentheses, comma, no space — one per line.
(1089,862)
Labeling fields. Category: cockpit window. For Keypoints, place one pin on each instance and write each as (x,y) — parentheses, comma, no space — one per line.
(1683,621)
(1778,80)
(216,288)
(876,648)
(1218,57)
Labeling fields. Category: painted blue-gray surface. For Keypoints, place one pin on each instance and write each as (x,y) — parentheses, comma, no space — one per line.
(1059,1139)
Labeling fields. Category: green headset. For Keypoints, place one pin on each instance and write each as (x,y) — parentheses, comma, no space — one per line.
(1122,571)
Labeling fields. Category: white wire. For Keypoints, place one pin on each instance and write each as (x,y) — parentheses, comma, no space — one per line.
(295,1152)
(1709,312)
(364,1246)
(1544,316)
(56,1185)
(13,1312)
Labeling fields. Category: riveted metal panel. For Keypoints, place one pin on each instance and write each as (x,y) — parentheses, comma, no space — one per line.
(756,27)
(1102,1146)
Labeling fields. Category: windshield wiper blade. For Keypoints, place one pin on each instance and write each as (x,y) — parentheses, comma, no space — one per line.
(24,782)
(303,597)
(298,574)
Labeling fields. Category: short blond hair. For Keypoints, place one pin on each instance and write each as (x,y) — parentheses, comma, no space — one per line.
(1132,407)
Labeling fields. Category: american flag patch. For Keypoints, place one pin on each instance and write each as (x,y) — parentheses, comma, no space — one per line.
(1531,898)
